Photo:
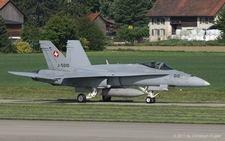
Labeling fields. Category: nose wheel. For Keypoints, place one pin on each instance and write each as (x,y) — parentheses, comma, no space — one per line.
(150,100)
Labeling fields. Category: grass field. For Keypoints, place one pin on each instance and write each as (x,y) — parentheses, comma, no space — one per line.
(209,66)
(115,113)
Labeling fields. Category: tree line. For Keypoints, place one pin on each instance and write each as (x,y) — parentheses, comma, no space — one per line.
(62,20)
(128,12)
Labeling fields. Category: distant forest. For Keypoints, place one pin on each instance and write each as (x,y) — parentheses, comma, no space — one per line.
(129,12)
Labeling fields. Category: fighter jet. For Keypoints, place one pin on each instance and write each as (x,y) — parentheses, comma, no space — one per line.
(108,80)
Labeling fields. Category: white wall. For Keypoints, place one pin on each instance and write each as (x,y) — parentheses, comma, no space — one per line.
(161,27)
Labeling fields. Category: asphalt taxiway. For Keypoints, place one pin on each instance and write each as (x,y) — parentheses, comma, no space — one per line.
(112,102)
(28,130)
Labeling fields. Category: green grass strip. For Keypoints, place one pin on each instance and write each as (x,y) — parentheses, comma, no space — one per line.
(112,113)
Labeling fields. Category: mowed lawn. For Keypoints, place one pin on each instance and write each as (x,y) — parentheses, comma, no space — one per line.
(209,66)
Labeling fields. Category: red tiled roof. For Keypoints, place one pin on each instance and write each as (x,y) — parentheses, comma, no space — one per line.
(3,3)
(185,8)
(93,16)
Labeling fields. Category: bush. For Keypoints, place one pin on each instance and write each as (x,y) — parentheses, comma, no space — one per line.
(23,47)
(92,32)
(85,43)
(60,29)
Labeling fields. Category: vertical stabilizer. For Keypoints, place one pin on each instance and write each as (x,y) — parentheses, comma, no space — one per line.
(76,54)
(54,58)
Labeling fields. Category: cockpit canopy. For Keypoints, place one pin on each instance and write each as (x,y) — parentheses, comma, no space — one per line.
(157,65)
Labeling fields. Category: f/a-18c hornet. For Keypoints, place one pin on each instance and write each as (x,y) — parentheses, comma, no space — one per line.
(108,80)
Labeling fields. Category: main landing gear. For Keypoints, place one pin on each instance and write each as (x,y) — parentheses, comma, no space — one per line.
(151,96)
(82,98)
(93,92)
(106,98)
(150,100)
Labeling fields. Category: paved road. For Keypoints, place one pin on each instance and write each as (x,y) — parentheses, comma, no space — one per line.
(16,130)
(114,103)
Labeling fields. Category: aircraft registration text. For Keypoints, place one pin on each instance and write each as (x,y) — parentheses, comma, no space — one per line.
(64,65)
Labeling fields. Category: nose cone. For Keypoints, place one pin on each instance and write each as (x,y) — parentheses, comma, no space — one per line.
(207,83)
(197,82)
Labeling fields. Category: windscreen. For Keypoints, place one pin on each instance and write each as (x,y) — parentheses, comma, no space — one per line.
(157,65)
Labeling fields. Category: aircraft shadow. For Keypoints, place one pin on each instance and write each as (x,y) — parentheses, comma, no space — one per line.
(93,101)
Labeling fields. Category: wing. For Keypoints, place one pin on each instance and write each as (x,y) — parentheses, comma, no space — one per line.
(112,74)
(84,74)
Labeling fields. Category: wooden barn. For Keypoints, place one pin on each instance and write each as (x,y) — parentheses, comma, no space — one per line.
(104,24)
(14,18)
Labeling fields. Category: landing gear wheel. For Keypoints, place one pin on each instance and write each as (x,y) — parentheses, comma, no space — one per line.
(106,98)
(150,100)
(81,98)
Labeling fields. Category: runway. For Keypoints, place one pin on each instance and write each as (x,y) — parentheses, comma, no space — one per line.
(17,130)
(113,102)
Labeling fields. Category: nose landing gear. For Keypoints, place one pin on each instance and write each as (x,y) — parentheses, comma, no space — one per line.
(151,96)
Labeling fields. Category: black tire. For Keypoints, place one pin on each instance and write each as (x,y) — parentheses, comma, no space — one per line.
(153,100)
(150,100)
(106,98)
(81,98)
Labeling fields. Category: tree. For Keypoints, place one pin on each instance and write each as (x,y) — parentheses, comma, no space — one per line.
(5,42)
(41,11)
(131,12)
(92,32)
(73,8)
(38,10)
(59,29)
(220,23)
(107,8)
(131,34)
(93,6)
(31,34)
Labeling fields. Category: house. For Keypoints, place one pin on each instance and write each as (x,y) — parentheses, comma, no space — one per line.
(168,15)
(104,24)
(14,18)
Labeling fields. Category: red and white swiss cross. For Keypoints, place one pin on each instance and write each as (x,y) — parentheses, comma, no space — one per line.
(56,54)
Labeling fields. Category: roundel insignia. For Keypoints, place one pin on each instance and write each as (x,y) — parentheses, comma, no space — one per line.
(56,54)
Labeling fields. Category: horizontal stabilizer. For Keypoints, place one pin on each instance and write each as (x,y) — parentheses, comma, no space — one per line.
(28,74)
(32,75)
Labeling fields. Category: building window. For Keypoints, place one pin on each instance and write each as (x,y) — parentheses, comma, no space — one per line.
(206,20)
(158,32)
(154,21)
(158,21)
(162,21)
(153,32)
(162,31)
